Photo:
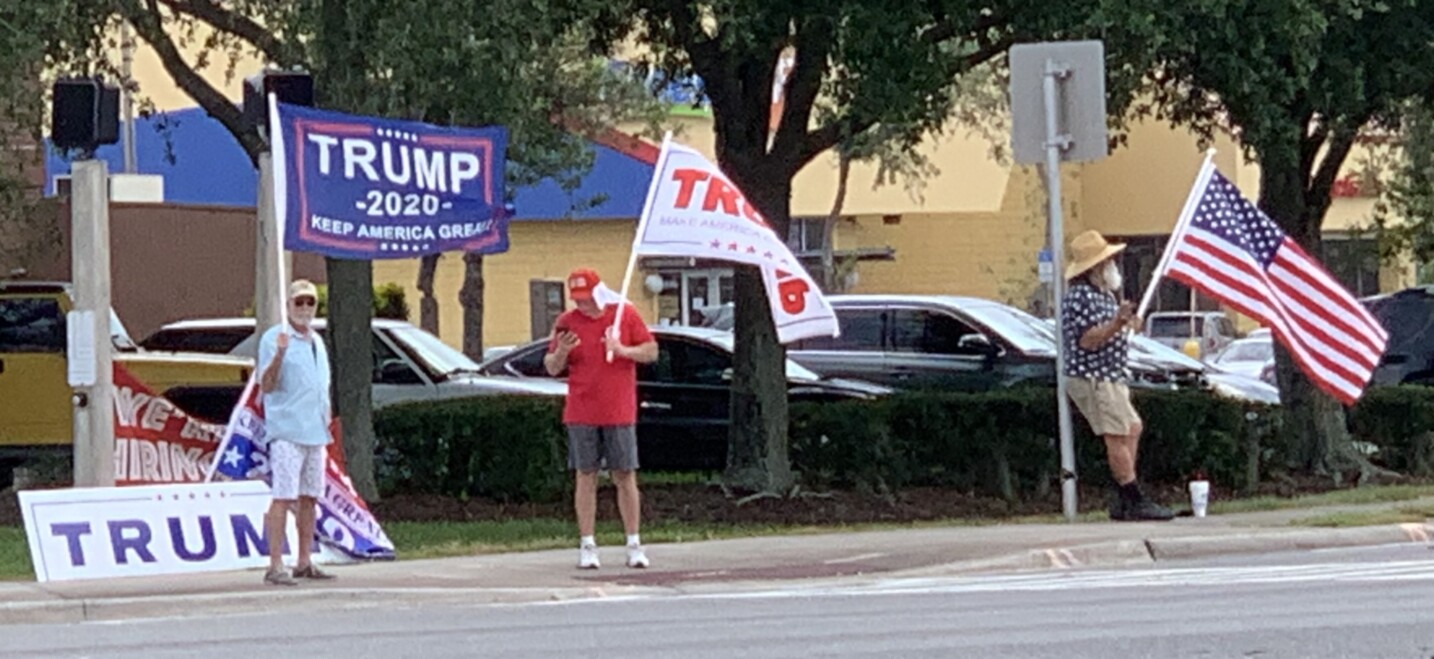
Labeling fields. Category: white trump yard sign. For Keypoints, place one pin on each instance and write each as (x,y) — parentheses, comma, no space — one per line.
(95,533)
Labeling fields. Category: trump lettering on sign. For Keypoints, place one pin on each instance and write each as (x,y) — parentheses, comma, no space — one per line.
(694,210)
(97,533)
(368,188)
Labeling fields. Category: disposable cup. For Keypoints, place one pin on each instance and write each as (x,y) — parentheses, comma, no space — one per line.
(1199,497)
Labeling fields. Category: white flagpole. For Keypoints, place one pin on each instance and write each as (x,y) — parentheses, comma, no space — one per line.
(1202,178)
(275,138)
(642,221)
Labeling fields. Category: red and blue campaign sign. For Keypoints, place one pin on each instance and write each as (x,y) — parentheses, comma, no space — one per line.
(367,188)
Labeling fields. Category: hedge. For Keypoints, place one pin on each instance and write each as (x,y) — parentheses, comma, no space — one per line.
(1001,443)
(510,448)
(1399,421)
(1004,443)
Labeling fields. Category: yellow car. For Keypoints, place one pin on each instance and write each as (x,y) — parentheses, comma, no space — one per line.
(36,416)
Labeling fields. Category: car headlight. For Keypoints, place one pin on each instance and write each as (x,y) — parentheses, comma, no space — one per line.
(1222,389)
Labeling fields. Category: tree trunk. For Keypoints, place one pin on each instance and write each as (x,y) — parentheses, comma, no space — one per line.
(428,306)
(1320,440)
(471,297)
(828,275)
(757,459)
(351,335)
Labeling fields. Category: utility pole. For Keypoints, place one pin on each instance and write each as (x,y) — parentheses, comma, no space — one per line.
(85,115)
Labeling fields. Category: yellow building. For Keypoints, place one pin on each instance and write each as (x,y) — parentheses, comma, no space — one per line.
(975,228)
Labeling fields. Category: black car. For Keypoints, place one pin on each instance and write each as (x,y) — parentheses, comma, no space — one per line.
(683,397)
(1408,317)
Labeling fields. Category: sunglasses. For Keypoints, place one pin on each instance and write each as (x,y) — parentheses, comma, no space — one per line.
(305,302)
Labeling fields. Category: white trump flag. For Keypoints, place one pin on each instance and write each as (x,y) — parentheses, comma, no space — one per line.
(694,210)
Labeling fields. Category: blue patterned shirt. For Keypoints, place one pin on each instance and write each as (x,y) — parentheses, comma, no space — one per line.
(1085,307)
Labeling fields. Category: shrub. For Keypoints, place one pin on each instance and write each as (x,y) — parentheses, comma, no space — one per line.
(1005,442)
(510,448)
(1400,422)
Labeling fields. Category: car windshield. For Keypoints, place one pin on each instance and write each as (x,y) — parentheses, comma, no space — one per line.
(795,371)
(1024,331)
(1173,326)
(435,353)
(1248,351)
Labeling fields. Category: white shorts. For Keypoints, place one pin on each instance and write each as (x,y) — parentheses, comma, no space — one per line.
(296,470)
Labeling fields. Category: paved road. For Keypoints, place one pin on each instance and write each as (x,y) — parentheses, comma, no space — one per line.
(1376,602)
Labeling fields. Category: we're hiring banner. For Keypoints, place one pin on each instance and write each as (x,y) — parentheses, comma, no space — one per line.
(694,210)
(366,188)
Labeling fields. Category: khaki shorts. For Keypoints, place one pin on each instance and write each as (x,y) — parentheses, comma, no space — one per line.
(1105,405)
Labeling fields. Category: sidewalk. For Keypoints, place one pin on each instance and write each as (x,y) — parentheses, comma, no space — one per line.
(713,566)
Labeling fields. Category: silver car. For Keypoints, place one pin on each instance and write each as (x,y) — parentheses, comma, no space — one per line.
(408,363)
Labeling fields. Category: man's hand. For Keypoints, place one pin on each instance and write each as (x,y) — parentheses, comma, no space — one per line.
(613,344)
(567,341)
(283,342)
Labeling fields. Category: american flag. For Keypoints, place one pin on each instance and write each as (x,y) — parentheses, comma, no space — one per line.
(1232,251)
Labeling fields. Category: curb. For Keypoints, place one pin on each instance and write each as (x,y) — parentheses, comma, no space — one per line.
(269,601)
(1165,549)
(1107,554)
(1125,553)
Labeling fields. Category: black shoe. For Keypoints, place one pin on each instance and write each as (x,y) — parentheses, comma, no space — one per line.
(1119,507)
(1146,510)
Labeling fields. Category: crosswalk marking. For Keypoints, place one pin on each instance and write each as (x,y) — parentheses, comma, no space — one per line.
(1203,576)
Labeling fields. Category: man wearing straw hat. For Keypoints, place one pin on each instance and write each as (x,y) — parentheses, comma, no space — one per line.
(1097,346)
(600,354)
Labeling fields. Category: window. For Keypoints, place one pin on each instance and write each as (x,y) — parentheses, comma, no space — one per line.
(389,367)
(917,330)
(1137,264)
(31,325)
(805,235)
(1354,262)
(699,364)
(219,340)
(529,363)
(861,330)
(545,304)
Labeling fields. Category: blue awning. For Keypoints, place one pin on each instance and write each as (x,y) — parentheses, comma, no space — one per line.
(202,164)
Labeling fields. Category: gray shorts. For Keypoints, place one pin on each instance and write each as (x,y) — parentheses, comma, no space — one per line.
(591,448)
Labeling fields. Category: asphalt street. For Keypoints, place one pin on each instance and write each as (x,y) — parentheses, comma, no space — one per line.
(1372,602)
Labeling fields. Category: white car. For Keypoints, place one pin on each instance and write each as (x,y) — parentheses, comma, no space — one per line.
(1246,356)
(408,363)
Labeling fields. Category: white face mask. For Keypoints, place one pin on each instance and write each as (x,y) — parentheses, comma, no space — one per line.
(1110,278)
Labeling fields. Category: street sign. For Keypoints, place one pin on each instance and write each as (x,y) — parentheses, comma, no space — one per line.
(1058,115)
(1080,100)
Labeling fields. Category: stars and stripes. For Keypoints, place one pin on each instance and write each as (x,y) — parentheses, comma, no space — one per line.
(1232,251)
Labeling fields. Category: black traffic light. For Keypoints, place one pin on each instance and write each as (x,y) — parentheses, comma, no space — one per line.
(292,87)
(85,114)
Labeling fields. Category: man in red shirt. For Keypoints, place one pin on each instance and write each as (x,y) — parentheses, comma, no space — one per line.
(601,408)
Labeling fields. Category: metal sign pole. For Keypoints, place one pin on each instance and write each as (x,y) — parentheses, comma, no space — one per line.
(1058,115)
(1056,144)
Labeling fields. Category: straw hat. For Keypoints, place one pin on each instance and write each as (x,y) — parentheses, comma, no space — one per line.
(1089,250)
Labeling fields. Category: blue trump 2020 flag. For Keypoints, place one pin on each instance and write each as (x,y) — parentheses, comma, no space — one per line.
(367,188)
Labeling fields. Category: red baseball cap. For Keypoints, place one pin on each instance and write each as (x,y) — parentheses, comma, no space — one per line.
(581,283)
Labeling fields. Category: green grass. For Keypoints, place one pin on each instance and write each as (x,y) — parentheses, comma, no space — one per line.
(14,554)
(1401,515)
(1358,496)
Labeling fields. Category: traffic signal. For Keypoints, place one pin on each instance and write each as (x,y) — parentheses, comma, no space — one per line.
(292,87)
(85,114)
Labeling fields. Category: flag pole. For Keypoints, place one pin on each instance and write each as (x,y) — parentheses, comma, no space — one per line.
(1187,213)
(642,221)
(278,218)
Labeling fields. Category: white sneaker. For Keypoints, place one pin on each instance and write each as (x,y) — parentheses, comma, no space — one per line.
(636,557)
(588,558)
